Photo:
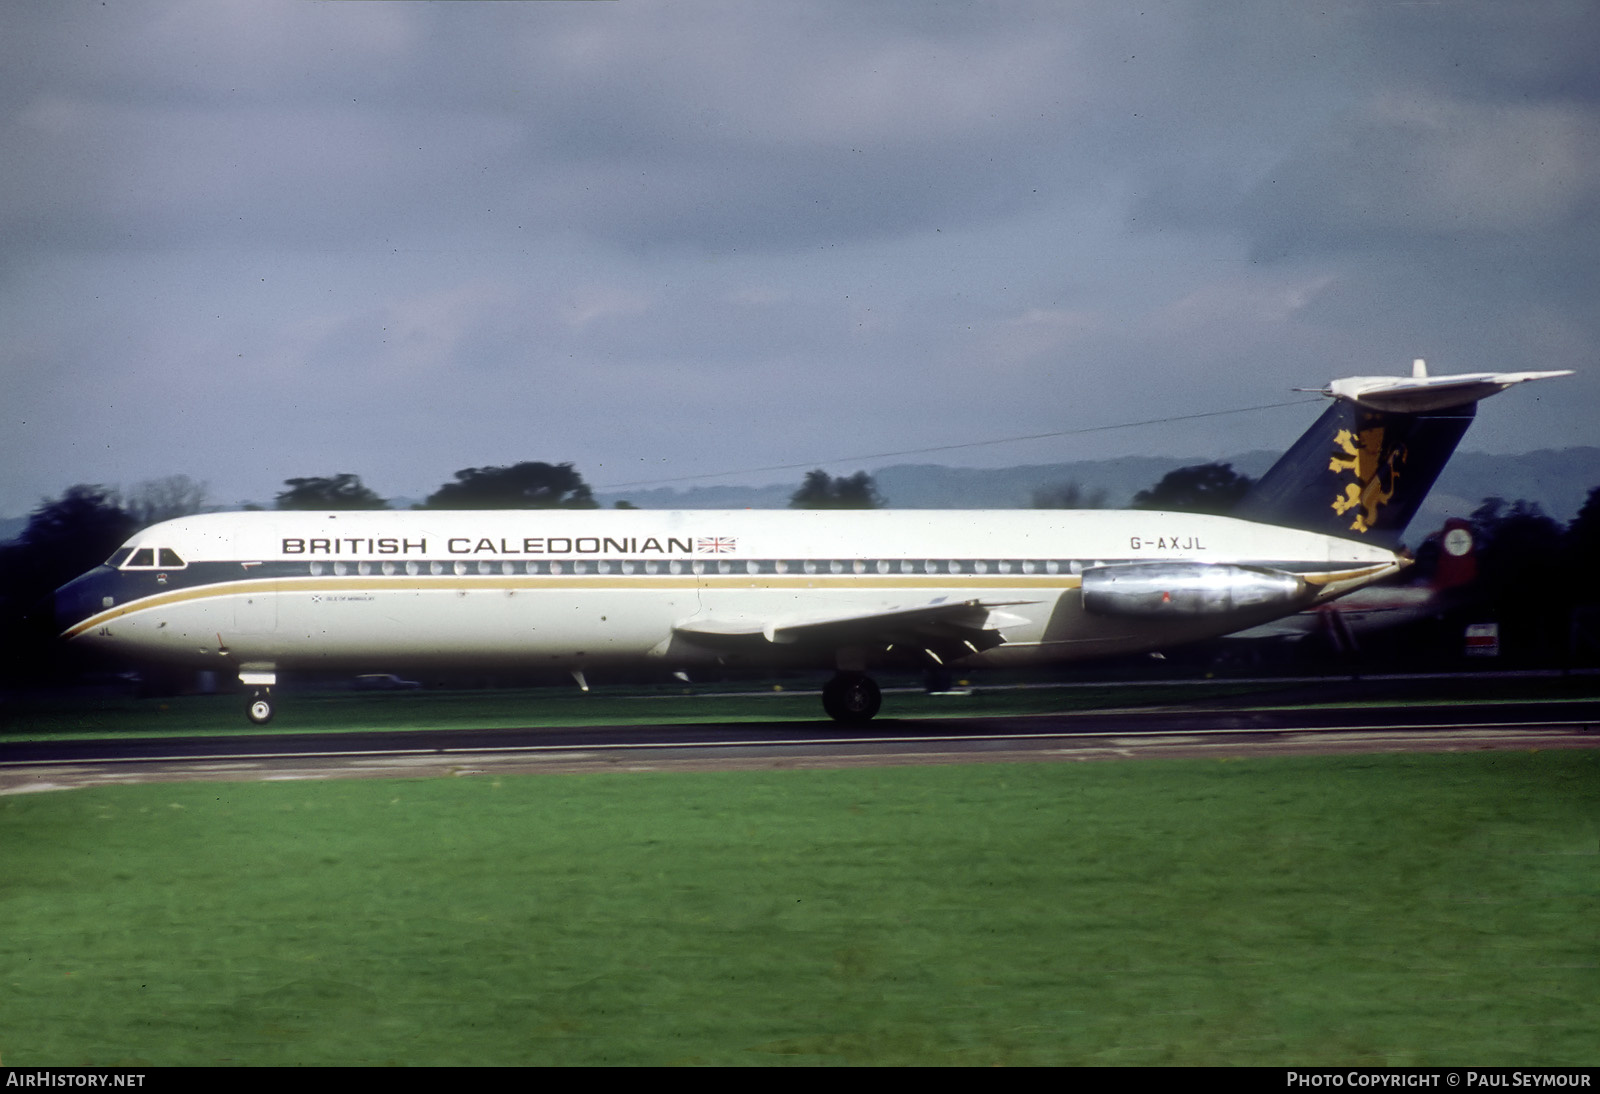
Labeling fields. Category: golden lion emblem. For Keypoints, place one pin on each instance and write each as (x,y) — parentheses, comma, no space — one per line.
(1363,456)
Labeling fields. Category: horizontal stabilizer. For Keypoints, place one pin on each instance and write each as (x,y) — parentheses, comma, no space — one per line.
(1423,394)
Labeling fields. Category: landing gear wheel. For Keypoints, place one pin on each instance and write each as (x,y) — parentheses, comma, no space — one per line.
(260,710)
(851,697)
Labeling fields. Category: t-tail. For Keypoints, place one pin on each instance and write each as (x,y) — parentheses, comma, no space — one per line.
(1362,471)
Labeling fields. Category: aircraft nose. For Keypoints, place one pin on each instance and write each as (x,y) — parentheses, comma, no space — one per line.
(80,598)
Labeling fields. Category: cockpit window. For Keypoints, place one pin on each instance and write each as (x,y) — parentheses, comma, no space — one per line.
(147,558)
(119,556)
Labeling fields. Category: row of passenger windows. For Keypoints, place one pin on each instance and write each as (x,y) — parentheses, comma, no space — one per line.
(720,566)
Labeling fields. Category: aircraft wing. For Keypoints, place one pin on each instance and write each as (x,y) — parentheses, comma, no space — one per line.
(942,626)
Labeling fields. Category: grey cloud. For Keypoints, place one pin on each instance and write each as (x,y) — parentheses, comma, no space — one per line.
(652,128)
(401,239)
(1404,170)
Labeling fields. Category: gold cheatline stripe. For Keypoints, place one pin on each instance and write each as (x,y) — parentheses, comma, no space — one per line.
(1345,575)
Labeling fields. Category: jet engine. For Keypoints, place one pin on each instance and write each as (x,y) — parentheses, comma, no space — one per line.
(1169,590)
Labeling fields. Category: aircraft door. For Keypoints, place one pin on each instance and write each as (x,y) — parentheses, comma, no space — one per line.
(255,604)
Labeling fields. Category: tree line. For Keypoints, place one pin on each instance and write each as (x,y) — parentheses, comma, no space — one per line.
(529,485)
(544,486)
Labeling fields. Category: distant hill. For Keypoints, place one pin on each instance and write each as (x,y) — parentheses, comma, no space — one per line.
(1558,479)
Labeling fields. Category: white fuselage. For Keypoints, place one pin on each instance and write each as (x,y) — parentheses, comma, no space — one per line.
(575,588)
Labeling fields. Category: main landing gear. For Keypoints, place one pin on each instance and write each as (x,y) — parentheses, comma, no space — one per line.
(851,698)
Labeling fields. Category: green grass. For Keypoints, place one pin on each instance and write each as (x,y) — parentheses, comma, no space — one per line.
(1415,910)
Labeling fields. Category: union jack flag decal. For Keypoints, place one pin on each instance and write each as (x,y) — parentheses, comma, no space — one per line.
(715,546)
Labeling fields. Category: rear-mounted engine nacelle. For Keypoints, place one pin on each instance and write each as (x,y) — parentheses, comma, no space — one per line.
(1165,590)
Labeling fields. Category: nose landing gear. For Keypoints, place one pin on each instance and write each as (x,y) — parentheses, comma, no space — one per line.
(260,709)
(259,679)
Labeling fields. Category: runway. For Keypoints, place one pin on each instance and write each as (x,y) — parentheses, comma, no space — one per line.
(1058,738)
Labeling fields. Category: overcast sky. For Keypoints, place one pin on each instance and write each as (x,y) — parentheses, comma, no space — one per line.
(259,240)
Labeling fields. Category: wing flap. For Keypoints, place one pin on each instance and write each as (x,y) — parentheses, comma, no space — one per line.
(968,624)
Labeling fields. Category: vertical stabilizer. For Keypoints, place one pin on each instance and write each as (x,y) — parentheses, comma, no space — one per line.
(1362,471)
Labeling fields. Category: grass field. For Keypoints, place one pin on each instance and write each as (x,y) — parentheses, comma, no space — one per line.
(1426,909)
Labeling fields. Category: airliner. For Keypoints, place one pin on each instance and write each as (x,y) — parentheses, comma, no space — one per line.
(843,592)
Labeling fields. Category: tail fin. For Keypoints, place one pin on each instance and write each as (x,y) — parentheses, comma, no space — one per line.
(1358,473)
(1364,468)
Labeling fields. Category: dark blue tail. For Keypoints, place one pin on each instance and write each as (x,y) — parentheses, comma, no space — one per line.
(1360,473)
